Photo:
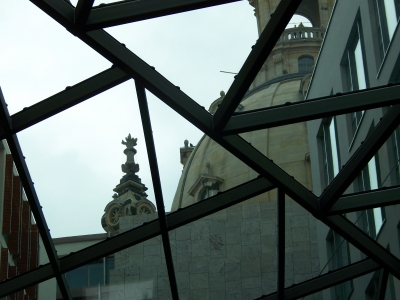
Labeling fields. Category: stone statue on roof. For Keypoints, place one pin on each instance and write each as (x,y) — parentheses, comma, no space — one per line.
(130,152)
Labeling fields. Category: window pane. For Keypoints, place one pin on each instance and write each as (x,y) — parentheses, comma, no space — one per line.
(372,172)
(96,273)
(335,159)
(378,219)
(391,18)
(77,278)
(360,66)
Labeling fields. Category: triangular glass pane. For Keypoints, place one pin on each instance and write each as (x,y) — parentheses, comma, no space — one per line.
(78,173)
(208,168)
(194,47)
(40,58)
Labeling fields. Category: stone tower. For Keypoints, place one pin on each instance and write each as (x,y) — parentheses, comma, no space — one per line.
(299,46)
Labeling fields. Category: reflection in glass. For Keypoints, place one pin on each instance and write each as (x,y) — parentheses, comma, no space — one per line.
(90,279)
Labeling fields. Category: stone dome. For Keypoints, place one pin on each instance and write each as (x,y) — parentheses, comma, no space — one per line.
(210,168)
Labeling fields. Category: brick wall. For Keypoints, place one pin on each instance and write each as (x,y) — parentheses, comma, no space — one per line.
(22,237)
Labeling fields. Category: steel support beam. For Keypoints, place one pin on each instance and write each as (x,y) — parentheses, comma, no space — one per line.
(133,11)
(33,200)
(328,280)
(382,283)
(281,244)
(220,201)
(111,245)
(155,176)
(162,88)
(139,234)
(171,95)
(174,220)
(260,52)
(364,243)
(366,200)
(66,99)
(312,109)
(26,280)
(360,158)
(268,169)
(82,10)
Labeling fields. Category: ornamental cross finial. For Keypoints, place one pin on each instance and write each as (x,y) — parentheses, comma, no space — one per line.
(130,152)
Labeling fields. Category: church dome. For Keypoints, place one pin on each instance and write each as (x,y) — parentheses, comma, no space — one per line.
(210,168)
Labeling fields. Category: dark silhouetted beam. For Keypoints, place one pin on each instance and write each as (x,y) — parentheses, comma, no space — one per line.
(363,242)
(66,99)
(326,281)
(26,280)
(110,246)
(185,106)
(155,176)
(220,201)
(382,284)
(33,200)
(132,11)
(366,200)
(268,169)
(261,50)
(360,158)
(82,10)
(174,220)
(312,109)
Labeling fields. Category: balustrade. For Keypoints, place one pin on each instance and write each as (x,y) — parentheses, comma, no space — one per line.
(302,33)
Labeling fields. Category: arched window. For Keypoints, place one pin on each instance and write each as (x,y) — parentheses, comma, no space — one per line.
(306,63)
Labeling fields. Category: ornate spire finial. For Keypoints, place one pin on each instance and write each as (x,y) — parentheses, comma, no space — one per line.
(130,155)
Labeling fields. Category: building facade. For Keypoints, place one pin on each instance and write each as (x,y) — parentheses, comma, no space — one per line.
(231,254)
(360,51)
(19,241)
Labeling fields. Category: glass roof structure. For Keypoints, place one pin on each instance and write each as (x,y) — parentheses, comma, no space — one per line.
(87,23)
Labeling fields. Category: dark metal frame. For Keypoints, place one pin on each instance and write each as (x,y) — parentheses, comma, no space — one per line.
(86,23)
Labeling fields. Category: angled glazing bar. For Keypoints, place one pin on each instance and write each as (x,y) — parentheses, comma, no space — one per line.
(360,158)
(25,280)
(155,175)
(268,169)
(153,81)
(312,109)
(110,246)
(382,283)
(366,200)
(36,209)
(328,280)
(122,57)
(174,220)
(68,98)
(281,244)
(364,243)
(82,11)
(220,201)
(261,50)
(132,11)
(202,121)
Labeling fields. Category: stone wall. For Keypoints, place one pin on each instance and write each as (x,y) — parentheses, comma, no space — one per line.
(228,255)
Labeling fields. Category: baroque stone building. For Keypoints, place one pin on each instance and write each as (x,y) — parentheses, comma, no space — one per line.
(232,253)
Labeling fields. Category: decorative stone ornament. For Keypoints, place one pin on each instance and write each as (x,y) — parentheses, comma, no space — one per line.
(130,152)
(130,197)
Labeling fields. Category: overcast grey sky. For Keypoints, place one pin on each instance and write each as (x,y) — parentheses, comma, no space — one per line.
(74,157)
